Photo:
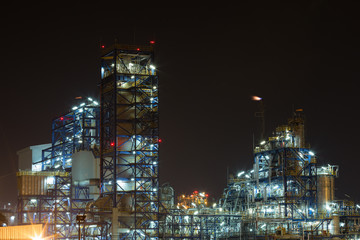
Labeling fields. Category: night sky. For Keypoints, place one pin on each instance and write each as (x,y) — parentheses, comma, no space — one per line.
(211,60)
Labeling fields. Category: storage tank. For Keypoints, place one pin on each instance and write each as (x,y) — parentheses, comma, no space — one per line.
(85,166)
(325,190)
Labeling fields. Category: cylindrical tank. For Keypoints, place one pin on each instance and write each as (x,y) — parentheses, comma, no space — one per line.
(325,190)
(85,166)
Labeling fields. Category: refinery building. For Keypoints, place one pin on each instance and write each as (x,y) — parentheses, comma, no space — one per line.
(98,178)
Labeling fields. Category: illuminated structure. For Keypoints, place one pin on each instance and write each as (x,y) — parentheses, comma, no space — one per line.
(195,200)
(285,196)
(50,194)
(130,139)
(113,181)
(103,164)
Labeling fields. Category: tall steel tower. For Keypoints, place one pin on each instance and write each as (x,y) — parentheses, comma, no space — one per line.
(129,140)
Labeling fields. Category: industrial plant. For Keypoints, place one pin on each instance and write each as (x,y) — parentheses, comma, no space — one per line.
(99,176)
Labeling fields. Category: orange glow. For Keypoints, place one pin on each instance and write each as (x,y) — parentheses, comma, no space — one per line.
(195,200)
(256,98)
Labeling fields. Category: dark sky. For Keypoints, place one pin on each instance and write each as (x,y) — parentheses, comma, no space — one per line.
(211,59)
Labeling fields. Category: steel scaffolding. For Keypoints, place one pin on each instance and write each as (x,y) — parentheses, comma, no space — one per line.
(71,132)
(54,199)
(129,140)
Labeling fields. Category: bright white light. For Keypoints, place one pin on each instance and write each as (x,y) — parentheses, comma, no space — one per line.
(252,171)
(132,77)
(50,180)
(327,207)
(262,143)
(311,209)
(154,87)
(214,205)
(154,163)
(95,102)
(12,218)
(131,64)
(247,176)
(90,99)
(311,153)
(152,67)
(240,173)
(33,200)
(74,108)
(36,237)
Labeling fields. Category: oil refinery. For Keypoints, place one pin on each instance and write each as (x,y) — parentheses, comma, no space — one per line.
(99,176)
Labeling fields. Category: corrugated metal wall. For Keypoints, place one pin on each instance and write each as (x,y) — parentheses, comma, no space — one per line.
(25,232)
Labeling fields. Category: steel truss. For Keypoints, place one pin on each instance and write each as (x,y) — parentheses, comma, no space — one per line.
(60,200)
(71,132)
(179,225)
(130,139)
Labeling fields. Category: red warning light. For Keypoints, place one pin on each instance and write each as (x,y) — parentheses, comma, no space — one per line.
(138,49)
(61,118)
(102,46)
(196,192)
(152,42)
(206,195)
(159,141)
(112,144)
